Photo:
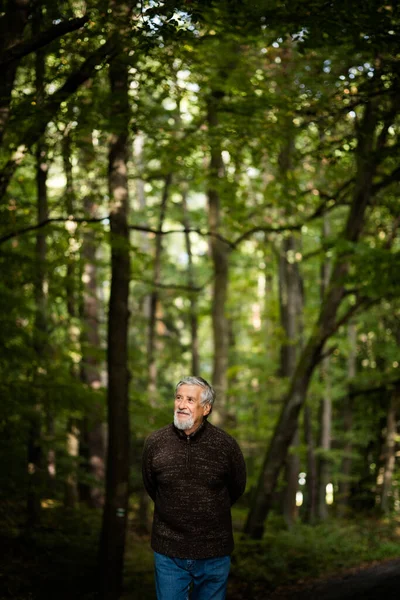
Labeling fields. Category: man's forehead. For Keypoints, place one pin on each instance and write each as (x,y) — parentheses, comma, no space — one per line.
(189,389)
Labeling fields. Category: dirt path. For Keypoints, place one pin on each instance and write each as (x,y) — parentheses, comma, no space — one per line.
(380,581)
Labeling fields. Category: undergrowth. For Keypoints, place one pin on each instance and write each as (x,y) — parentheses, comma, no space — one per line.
(58,559)
(306,552)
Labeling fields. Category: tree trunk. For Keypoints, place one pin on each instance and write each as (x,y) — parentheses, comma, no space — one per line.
(144,520)
(385,476)
(35,452)
(311,481)
(324,328)
(325,426)
(71,495)
(193,319)
(220,259)
(347,416)
(291,306)
(93,428)
(12,25)
(155,302)
(143,237)
(292,469)
(117,479)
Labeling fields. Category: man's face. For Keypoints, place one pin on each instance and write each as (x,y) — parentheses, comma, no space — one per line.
(189,413)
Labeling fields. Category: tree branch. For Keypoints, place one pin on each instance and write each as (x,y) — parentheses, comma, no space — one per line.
(173,286)
(182,230)
(391,178)
(41,117)
(37,226)
(24,48)
(361,302)
(232,244)
(372,390)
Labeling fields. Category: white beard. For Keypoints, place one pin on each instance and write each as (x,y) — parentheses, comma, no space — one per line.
(186,424)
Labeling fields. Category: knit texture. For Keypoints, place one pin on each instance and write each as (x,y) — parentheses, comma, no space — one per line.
(193,481)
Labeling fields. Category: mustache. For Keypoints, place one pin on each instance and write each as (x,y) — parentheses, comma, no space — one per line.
(182,412)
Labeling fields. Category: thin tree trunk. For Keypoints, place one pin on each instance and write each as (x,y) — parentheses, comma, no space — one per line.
(268,323)
(220,259)
(311,481)
(155,307)
(144,242)
(291,308)
(12,25)
(152,346)
(193,318)
(326,402)
(347,416)
(93,428)
(35,452)
(325,327)
(385,476)
(70,208)
(117,480)
(71,495)
(144,520)
(291,303)
(292,469)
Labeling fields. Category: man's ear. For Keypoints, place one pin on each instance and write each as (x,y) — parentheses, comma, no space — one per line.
(206,410)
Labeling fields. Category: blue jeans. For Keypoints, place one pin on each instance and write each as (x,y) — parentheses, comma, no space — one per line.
(175,575)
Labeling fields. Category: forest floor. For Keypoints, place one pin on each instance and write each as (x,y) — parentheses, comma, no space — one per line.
(58,560)
(369,582)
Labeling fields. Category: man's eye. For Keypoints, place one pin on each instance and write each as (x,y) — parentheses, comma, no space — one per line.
(191,400)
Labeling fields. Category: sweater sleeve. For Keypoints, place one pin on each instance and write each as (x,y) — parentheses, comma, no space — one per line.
(147,472)
(237,480)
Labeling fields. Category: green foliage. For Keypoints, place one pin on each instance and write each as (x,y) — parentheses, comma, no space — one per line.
(66,541)
(305,552)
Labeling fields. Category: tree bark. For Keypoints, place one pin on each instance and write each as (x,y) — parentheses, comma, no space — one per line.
(193,319)
(71,494)
(12,25)
(292,469)
(291,308)
(155,301)
(117,478)
(220,259)
(144,520)
(342,505)
(311,481)
(385,476)
(325,426)
(93,428)
(35,453)
(324,328)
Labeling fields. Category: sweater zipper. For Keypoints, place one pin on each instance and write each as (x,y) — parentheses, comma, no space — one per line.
(187,454)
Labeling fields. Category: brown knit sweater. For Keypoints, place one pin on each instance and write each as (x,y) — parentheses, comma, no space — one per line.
(193,481)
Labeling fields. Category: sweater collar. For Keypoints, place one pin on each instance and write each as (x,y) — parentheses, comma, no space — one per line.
(195,435)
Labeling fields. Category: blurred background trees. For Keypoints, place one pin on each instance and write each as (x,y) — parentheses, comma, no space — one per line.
(199,187)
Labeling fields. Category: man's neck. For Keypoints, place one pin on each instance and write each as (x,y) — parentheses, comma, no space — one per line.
(189,432)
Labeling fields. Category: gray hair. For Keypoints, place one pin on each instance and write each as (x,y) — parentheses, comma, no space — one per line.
(207,395)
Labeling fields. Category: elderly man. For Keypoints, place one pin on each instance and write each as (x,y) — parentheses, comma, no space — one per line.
(194,472)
